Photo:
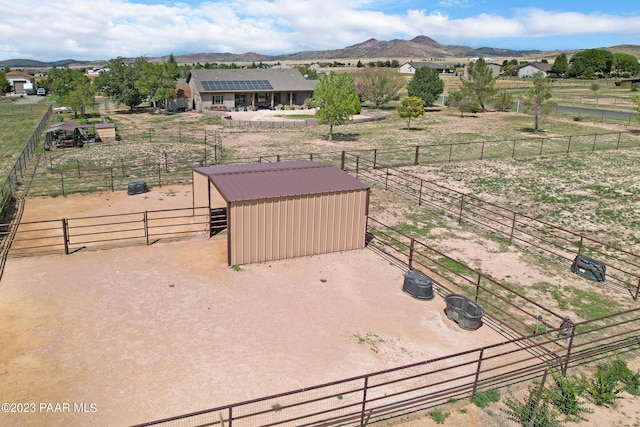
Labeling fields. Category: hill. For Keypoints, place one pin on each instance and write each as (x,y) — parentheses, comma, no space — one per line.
(418,48)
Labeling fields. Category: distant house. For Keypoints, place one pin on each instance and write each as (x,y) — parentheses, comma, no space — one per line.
(528,70)
(495,69)
(627,83)
(181,101)
(411,67)
(260,88)
(23,83)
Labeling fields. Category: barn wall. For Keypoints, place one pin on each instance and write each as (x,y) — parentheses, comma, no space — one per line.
(200,185)
(265,230)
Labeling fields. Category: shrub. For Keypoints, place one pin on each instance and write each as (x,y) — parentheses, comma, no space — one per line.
(504,101)
(603,387)
(482,399)
(522,411)
(617,82)
(438,416)
(565,394)
(635,87)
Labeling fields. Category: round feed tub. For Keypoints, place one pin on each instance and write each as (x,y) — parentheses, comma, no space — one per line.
(418,285)
(464,311)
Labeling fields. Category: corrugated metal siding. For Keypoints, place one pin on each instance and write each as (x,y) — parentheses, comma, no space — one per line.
(200,183)
(264,230)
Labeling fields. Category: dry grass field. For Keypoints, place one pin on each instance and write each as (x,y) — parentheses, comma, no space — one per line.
(157,331)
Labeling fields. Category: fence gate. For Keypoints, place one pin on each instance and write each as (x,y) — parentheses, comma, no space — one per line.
(218,220)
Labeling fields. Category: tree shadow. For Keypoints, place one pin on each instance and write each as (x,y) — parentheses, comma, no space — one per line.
(527,129)
(413,129)
(343,137)
(136,110)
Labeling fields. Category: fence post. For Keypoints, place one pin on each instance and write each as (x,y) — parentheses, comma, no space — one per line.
(569,144)
(342,160)
(78,167)
(594,142)
(477,287)
(415,159)
(230,416)
(461,206)
(411,246)
(513,150)
(364,400)
(536,406)
(541,145)
(65,235)
(386,180)
(420,193)
(166,163)
(477,378)
(112,186)
(482,151)
(513,226)
(618,144)
(357,165)
(375,157)
(159,175)
(580,245)
(62,181)
(565,365)
(145,219)
(450,151)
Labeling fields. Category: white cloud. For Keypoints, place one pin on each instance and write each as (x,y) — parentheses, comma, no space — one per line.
(104,29)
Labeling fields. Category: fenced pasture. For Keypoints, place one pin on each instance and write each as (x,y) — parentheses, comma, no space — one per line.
(533,345)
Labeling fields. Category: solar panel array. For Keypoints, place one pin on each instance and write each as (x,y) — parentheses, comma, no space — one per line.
(231,85)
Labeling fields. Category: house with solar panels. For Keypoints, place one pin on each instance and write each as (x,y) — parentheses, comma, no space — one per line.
(255,87)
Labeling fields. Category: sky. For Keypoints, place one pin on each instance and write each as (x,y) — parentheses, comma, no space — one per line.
(106,29)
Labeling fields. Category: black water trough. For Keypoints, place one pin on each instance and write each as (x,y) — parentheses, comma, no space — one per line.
(137,187)
(589,268)
(418,285)
(464,311)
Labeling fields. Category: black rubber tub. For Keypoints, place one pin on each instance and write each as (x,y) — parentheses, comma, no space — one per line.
(418,285)
(464,311)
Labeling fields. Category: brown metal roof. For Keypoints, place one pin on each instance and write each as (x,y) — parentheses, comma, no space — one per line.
(257,181)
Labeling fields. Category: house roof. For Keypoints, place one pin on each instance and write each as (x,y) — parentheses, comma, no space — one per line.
(420,64)
(18,74)
(256,181)
(279,80)
(542,66)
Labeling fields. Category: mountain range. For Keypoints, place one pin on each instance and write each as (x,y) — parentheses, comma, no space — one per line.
(419,48)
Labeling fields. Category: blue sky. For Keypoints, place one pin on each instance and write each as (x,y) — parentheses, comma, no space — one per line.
(105,29)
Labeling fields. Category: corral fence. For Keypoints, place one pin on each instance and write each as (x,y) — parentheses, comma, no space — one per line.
(55,178)
(549,240)
(69,235)
(384,395)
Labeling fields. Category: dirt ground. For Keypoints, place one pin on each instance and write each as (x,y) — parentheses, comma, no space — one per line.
(142,333)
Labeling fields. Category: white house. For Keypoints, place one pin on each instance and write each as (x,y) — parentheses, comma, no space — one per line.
(23,83)
(411,67)
(528,70)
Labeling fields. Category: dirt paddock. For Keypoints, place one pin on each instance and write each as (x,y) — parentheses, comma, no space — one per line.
(147,332)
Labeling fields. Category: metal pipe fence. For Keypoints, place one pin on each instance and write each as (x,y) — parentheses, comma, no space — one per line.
(538,236)
(69,235)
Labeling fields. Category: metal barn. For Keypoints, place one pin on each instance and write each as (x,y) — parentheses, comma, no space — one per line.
(283,210)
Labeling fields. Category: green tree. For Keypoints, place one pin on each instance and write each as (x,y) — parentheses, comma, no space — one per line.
(625,64)
(5,85)
(560,65)
(395,63)
(158,81)
(119,82)
(594,87)
(81,97)
(481,83)
(538,97)
(411,108)
(504,101)
(72,87)
(308,72)
(426,84)
(378,85)
(336,100)
(591,62)
(464,101)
